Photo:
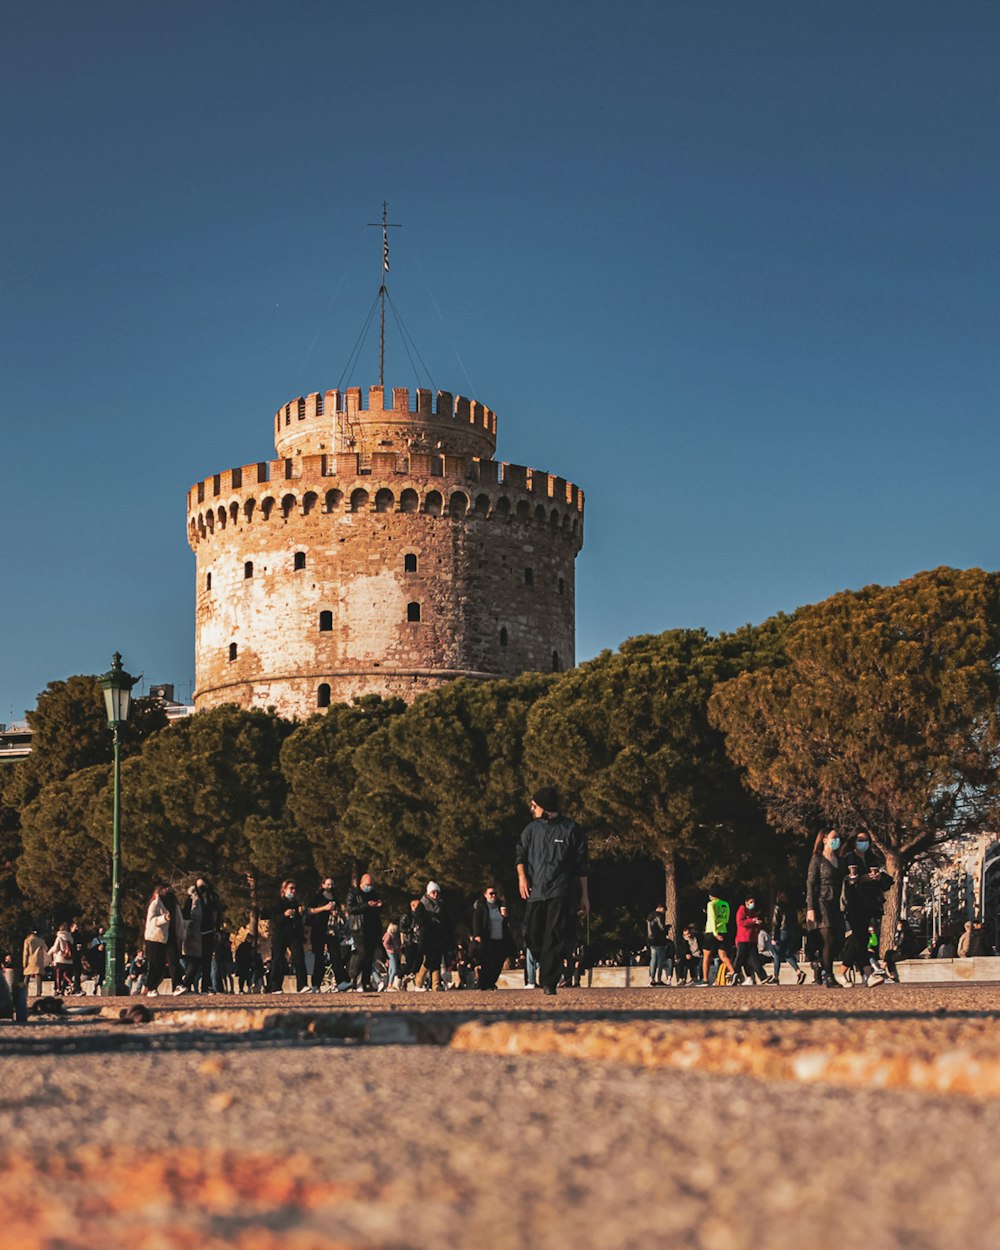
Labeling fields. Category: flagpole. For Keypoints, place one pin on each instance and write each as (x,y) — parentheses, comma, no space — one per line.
(386,227)
(381,291)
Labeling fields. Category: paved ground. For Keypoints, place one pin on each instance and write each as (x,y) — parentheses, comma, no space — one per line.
(166,1135)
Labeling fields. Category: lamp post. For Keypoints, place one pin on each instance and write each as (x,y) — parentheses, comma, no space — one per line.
(117,686)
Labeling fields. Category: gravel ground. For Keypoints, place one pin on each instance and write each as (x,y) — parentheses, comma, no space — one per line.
(154,1138)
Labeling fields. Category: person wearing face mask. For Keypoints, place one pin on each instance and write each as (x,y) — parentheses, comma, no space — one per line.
(748,927)
(364,922)
(287,939)
(824,883)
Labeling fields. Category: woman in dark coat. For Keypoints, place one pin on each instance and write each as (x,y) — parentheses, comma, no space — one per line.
(824,884)
(435,932)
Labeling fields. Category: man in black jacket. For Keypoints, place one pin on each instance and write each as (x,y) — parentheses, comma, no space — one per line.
(364,922)
(551,864)
(324,933)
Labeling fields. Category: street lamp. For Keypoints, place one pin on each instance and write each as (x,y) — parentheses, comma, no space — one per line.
(117,686)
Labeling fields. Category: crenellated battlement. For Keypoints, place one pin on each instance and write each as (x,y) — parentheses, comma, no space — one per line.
(329,421)
(422,483)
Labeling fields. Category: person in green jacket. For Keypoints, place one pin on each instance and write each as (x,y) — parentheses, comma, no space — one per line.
(716,940)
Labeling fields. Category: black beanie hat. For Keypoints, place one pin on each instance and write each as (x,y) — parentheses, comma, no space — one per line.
(547,798)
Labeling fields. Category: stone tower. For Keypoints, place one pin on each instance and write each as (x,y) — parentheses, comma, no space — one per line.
(384,551)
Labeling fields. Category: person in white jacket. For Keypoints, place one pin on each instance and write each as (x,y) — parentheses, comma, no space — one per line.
(61,956)
(163,936)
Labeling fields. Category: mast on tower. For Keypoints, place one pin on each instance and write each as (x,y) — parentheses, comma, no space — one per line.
(382,290)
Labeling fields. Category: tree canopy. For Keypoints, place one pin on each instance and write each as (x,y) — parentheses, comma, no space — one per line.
(440,789)
(627,739)
(318,763)
(883,718)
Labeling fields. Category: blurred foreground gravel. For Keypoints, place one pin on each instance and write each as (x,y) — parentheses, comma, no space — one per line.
(157,1136)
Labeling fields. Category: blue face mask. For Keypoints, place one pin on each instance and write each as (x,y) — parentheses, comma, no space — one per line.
(366,889)
(834,844)
(862,846)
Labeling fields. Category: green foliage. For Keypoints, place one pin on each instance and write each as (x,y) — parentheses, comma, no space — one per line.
(71,735)
(202,796)
(440,789)
(884,717)
(627,739)
(65,864)
(318,763)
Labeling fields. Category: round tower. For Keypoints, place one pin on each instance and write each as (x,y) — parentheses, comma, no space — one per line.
(384,551)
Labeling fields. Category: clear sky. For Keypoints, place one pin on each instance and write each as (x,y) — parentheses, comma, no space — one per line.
(731,267)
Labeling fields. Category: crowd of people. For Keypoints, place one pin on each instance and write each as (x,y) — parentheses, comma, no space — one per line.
(331,943)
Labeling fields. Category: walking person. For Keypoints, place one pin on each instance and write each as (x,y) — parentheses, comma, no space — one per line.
(435,936)
(288,940)
(490,938)
(410,939)
(824,882)
(551,865)
(716,940)
(211,916)
(393,947)
(34,961)
(660,947)
(748,927)
(785,938)
(191,947)
(364,921)
(324,934)
(163,935)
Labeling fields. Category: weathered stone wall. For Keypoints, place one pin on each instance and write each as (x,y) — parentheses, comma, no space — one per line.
(350,421)
(323,612)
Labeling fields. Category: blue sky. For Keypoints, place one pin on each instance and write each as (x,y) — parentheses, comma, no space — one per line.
(731,267)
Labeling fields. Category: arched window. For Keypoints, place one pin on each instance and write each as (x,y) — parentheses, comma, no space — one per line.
(359,500)
(266,507)
(458,505)
(302,409)
(384,500)
(482,505)
(409,501)
(325,622)
(248,508)
(208,581)
(333,499)
(540,514)
(523,510)
(248,569)
(299,561)
(413,611)
(287,505)
(232,650)
(529,577)
(503,636)
(323,696)
(234,511)
(502,508)
(555,661)
(409,563)
(309,502)
(433,503)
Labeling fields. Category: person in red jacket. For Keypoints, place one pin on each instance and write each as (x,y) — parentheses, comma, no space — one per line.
(748,927)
